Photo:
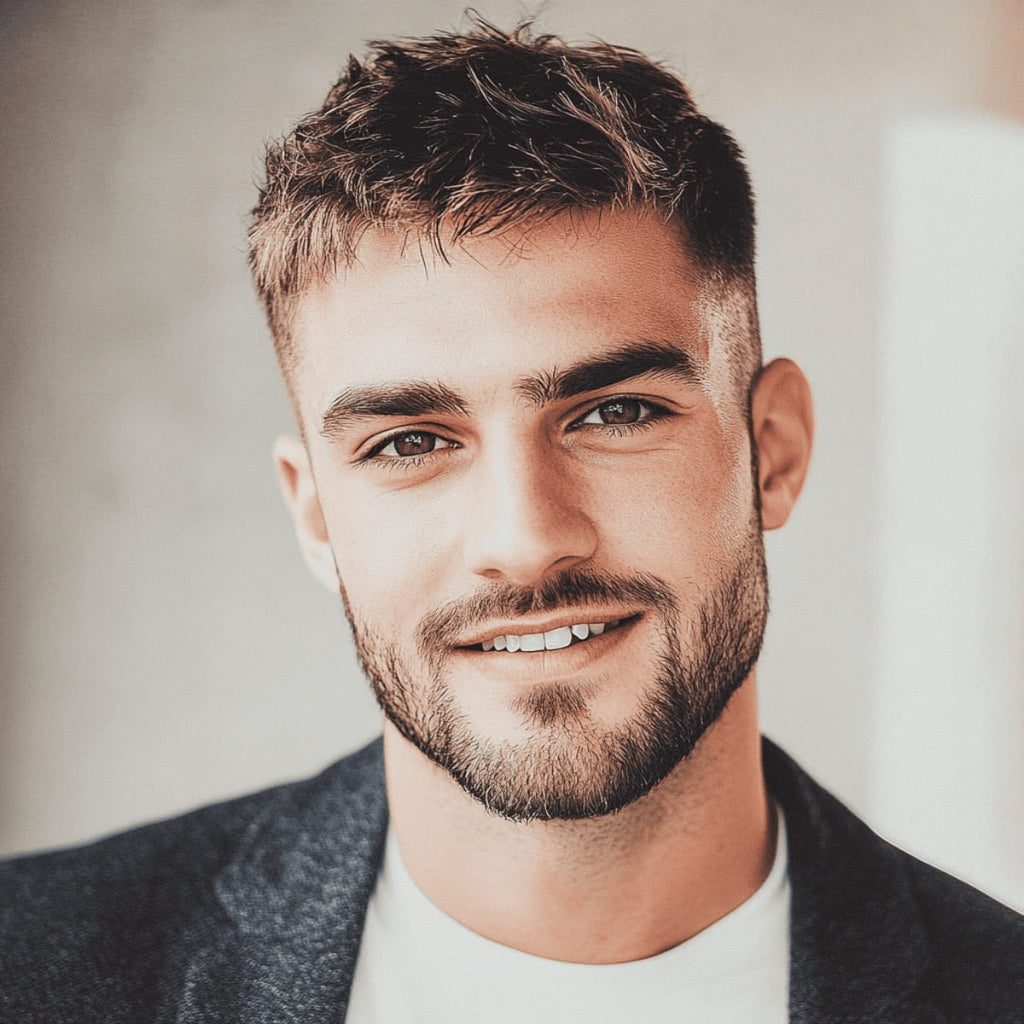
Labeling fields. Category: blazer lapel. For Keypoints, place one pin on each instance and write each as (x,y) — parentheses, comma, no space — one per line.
(295,896)
(858,948)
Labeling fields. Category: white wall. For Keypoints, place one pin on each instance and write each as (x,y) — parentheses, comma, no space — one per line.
(949,705)
(161,644)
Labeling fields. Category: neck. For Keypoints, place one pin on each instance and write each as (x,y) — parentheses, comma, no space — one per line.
(610,889)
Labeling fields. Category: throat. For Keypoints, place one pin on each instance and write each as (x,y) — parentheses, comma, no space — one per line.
(608,889)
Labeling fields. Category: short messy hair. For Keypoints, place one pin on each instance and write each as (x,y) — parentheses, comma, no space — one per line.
(464,134)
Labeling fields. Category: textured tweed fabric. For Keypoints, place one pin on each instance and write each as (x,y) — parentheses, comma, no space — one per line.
(251,911)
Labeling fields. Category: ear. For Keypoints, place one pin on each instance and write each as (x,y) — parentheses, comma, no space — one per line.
(783,430)
(291,460)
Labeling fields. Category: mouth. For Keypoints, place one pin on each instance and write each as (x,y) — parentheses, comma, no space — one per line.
(551,640)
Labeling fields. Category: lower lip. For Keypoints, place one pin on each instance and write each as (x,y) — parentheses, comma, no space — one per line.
(549,666)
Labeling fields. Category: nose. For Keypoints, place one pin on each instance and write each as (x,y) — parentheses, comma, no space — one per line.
(527,518)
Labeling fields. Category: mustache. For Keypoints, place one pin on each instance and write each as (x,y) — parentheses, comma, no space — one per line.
(443,626)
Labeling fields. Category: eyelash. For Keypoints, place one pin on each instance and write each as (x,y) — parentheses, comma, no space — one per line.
(655,413)
(401,463)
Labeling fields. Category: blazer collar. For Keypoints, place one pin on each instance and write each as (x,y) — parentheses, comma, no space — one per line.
(295,895)
(858,948)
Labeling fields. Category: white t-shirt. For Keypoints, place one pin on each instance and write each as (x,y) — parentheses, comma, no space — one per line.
(416,964)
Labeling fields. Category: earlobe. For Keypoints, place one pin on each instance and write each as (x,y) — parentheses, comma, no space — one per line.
(783,429)
(295,475)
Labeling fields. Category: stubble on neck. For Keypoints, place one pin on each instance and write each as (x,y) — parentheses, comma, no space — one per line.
(606,889)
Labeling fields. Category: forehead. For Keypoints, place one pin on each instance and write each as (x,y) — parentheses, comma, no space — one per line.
(495,308)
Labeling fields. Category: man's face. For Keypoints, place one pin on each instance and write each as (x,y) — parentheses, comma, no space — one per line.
(535,477)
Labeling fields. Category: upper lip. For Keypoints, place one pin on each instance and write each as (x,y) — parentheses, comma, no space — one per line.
(519,627)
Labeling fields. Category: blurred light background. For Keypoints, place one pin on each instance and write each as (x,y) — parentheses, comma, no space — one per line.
(162,645)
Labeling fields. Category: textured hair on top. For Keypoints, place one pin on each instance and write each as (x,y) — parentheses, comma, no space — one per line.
(456,135)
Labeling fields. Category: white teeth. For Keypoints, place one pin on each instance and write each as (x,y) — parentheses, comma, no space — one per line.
(556,639)
(552,640)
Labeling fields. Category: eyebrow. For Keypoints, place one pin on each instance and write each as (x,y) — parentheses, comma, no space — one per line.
(424,398)
(400,398)
(637,359)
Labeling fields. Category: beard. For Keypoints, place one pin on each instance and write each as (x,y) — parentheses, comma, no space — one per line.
(572,767)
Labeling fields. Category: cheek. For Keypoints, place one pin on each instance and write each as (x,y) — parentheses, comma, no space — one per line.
(683,505)
(391,550)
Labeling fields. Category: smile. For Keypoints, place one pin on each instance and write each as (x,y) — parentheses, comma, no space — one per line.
(552,640)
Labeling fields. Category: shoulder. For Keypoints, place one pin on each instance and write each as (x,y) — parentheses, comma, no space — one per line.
(105,919)
(976,943)
(883,921)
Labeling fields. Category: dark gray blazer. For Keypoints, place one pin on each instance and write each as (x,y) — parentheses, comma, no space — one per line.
(251,912)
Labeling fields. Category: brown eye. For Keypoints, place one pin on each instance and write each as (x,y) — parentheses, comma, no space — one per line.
(416,443)
(413,443)
(620,410)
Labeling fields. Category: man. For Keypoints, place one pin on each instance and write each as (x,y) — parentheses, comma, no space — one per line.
(511,287)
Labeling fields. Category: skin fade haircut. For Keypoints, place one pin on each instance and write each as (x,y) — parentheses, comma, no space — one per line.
(459,135)
(489,133)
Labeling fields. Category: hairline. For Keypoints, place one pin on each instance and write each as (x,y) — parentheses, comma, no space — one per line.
(714,284)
